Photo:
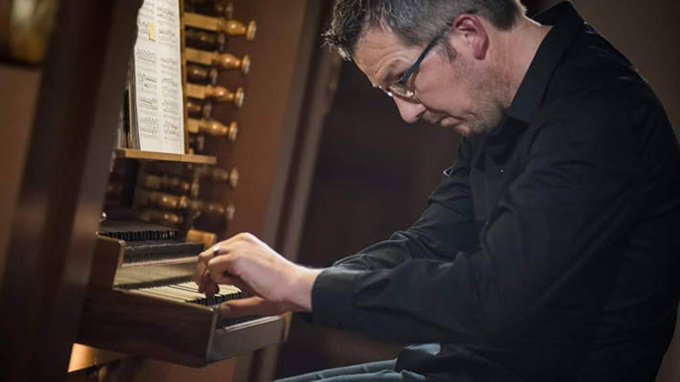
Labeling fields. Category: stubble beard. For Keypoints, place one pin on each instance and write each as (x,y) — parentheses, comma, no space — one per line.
(489,117)
(485,97)
(489,111)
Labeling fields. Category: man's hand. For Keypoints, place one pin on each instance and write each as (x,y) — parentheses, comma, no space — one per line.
(277,285)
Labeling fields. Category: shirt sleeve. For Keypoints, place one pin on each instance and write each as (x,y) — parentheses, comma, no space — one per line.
(445,228)
(577,195)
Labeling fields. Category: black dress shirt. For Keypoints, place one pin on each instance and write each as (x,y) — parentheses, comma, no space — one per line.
(550,249)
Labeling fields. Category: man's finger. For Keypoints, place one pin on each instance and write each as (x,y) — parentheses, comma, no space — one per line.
(211,289)
(202,264)
(222,264)
(224,246)
(221,248)
(198,275)
(223,278)
(207,285)
(206,255)
(227,279)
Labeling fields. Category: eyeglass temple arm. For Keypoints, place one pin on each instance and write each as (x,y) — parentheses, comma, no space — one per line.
(416,64)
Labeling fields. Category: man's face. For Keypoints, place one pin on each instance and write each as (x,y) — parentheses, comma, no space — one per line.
(461,93)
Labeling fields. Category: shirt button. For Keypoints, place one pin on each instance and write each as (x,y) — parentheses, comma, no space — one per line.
(501,171)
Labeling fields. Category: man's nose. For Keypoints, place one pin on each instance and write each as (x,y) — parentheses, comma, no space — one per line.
(410,111)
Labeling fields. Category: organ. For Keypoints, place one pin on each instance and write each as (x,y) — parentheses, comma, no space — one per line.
(142,299)
(120,295)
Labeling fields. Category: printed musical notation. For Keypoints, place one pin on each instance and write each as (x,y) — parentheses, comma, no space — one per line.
(159,114)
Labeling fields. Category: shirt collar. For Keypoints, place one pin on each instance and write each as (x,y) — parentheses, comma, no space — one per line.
(566,24)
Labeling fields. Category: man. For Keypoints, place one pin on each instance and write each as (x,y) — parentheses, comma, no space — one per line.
(547,252)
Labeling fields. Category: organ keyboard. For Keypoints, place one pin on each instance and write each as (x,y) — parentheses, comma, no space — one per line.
(142,300)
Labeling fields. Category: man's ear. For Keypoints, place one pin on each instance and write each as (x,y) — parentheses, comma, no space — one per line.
(470,34)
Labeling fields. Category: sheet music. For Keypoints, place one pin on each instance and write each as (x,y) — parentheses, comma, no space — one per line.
(159,109)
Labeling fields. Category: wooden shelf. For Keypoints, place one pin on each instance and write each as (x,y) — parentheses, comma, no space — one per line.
(155,156)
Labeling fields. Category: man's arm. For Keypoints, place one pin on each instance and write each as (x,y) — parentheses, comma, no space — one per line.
(445,229)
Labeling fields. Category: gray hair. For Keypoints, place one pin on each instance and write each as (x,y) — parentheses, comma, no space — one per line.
(414,22)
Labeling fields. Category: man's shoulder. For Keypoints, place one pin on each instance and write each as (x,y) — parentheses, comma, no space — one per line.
(592,68)
(598,98)
(596,84)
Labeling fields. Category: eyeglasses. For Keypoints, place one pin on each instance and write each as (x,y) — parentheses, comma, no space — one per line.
(400,88)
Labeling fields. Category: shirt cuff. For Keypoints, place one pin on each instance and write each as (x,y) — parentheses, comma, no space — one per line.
(332,297)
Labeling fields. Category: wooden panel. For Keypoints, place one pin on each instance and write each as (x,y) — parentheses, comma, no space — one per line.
(83,357)
(143,370)
(61,191)
(167,330)
(318,98)
(246,337)
(131,322)
(108,255)
(5,12)
(16,108)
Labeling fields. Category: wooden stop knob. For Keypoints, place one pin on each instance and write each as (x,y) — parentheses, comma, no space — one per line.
(219,93)
(232,131)
(236,28)
(229,61)
(234,177)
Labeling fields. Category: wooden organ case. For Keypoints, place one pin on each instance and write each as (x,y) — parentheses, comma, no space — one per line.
(257,85)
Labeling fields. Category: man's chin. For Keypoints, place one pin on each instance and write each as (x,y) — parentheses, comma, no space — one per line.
(456,124)
(463,130)
(449,122)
